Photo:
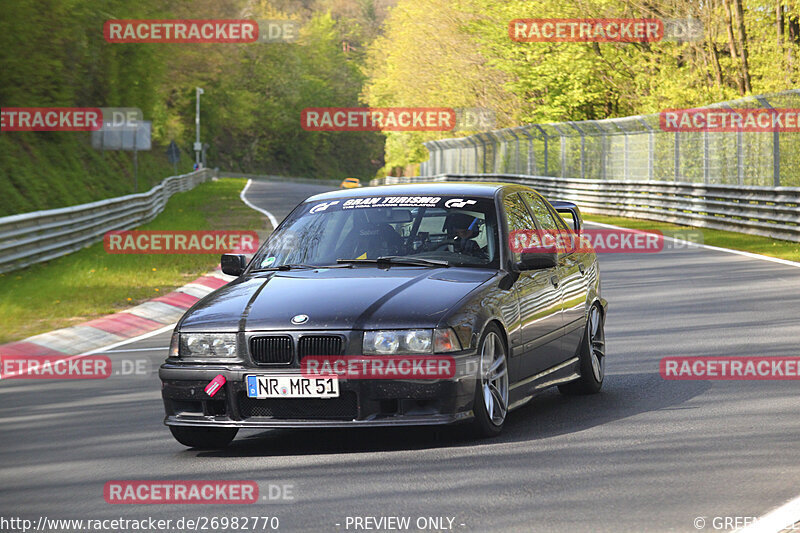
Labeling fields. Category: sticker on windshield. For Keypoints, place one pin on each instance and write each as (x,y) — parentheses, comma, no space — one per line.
(392,201)
(268,262)
(459,202)
(322,207)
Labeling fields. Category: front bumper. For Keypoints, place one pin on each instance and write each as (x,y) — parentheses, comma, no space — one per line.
(361,402)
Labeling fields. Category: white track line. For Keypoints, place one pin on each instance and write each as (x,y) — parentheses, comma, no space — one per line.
(154,349)
(706,246)
(777,520)
(141,337)
(270,216)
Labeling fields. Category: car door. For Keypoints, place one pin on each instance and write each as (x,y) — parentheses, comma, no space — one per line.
(571,272)
(539,300)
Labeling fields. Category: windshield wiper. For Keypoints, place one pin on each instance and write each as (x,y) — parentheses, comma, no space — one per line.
(399,260)
(296,266)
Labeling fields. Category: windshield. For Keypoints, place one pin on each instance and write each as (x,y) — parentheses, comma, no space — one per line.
(461,231)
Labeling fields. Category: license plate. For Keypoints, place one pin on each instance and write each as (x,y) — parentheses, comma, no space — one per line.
(284,386)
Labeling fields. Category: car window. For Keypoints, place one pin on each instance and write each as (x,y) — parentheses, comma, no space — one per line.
(520,224)
(461,231)
(565,221)
(550,221)
(539,209)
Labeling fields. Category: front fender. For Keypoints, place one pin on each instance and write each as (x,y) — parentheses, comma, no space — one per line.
(484,304)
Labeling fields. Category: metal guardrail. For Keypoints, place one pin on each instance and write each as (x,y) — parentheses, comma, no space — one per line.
(39,236)
(766,211)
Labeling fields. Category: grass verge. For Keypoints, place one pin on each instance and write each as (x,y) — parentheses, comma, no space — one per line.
(90,283)
(723,239)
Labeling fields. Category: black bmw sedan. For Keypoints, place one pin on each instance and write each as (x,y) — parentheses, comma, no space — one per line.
(394,305)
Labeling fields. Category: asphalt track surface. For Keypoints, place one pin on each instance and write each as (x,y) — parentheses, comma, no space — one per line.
(644,455)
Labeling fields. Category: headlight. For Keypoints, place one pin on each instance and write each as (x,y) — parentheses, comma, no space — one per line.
(383,342)
(418,341)
(208,345)
(410,341)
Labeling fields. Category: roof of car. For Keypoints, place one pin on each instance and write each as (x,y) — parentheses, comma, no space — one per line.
(480,189)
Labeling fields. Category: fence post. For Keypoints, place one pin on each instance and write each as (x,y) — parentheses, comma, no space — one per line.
(544,135)
(474,144)
(516,157)
(625,156)
(706,168)
(776,147)
(651,148)
(740,157)
(603,140)
(437,161)
(583,149)
(563,140)
(483,145)
(531,163)
(495,149)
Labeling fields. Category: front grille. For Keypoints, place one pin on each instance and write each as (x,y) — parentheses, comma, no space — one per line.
(275,350)
(320,345)
(345,407)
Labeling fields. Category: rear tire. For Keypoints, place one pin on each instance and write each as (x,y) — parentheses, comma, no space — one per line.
(592,357)
(491,390)
(203,438)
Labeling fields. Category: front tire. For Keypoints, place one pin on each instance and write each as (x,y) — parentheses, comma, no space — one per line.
(203,438)
(592,357)
(491,391)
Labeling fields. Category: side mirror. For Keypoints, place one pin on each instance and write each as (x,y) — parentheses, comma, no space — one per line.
(538,258)
(572,213)
(233,264)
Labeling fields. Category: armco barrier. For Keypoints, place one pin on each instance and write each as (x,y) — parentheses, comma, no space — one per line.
(39,236)
(766,211)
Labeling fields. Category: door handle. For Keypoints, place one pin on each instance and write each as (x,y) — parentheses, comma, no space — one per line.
(554,281)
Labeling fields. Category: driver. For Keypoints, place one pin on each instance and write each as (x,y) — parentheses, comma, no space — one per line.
(462,228)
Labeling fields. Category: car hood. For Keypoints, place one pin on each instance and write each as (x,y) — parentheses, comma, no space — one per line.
(337,299)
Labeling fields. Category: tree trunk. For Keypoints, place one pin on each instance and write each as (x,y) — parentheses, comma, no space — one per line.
(793,38)
(739,14)
(726,8)
(712,48)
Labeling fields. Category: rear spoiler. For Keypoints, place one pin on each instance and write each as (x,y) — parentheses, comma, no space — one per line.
(564,207)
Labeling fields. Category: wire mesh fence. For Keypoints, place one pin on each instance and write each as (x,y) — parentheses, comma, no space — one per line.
(634,148)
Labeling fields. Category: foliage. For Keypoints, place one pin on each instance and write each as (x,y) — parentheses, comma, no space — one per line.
(459,53)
